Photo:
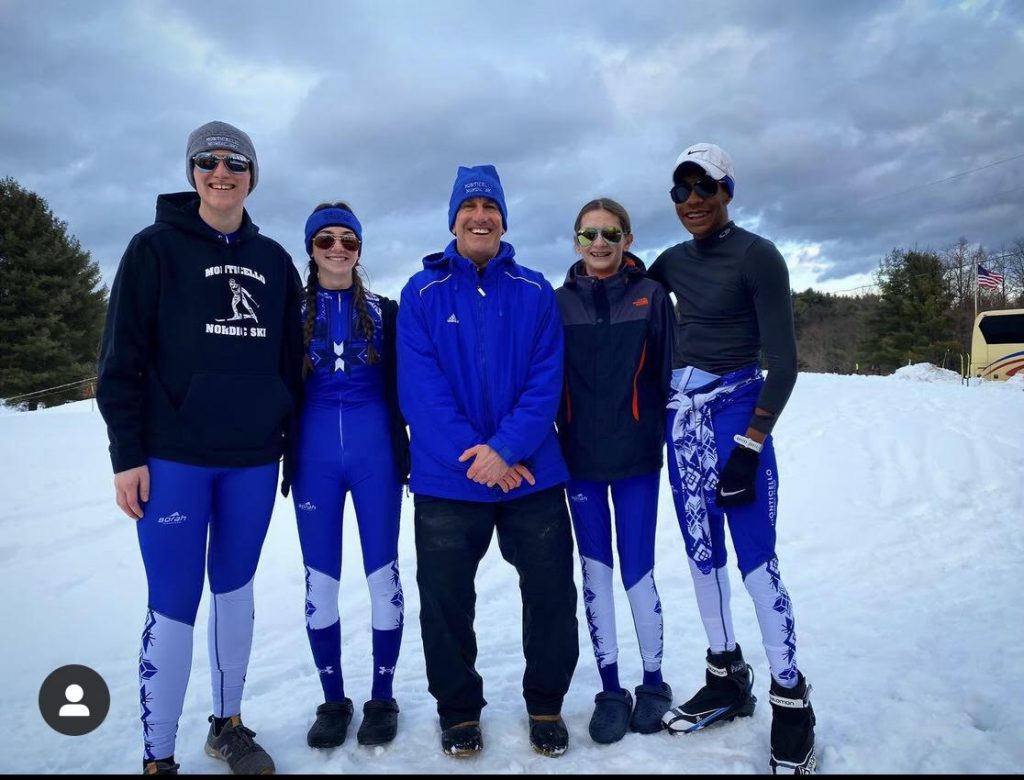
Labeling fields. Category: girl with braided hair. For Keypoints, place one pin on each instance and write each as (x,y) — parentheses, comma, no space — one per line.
(352,439)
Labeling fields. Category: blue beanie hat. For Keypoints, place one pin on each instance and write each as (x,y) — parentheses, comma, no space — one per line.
(479,181)
(333,216)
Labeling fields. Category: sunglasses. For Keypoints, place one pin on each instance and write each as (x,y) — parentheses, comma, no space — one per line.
(207,161)
(705,188)
(326,241)
(587,236)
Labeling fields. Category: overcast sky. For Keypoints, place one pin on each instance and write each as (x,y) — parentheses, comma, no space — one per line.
(855,126)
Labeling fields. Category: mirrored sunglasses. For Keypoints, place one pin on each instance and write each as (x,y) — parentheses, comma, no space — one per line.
(207,161)
(587,236)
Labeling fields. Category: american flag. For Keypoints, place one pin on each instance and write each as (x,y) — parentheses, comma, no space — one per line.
(987,278)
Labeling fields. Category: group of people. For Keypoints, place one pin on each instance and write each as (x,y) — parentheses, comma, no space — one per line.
(496,398)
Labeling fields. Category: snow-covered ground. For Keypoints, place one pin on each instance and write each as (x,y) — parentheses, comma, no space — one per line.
(901,541)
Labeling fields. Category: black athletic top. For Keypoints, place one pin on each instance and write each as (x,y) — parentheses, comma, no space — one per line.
(732,301)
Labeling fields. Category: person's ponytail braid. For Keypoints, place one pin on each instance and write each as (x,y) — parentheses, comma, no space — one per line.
(312,287)
(365,320)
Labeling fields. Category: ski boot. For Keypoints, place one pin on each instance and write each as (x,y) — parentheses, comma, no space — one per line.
(792,729)
(726,695)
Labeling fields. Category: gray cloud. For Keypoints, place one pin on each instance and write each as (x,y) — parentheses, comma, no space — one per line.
(839,116)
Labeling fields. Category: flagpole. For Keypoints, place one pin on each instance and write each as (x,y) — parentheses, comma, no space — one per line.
(975,290)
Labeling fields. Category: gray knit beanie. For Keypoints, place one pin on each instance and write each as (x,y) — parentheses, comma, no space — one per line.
(220,135)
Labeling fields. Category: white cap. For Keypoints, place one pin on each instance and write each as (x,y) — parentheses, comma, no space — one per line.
(711,158)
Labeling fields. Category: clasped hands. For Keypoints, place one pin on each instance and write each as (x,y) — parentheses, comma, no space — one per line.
(489,468)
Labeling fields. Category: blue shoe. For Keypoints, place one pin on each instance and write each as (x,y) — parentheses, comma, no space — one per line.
(610,720)
(652,702)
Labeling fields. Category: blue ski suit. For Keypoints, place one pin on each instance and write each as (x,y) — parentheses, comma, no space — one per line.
(351,440)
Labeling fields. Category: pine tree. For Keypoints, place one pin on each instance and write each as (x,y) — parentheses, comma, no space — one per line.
(913,321)
(829,329)
(52,304)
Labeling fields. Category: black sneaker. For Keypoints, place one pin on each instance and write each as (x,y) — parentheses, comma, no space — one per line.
(548,735)
(792,729)
(652,702)
(160,768)
(331,725)
(462,739)
(725,695)
(380,722)
(235,744)
(610,720)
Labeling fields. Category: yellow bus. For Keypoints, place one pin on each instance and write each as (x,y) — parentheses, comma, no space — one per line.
(997,348)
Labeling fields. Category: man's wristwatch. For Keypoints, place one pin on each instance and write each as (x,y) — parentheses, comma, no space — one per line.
(747,442)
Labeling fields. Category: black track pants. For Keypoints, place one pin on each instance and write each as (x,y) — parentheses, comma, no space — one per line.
(534,536)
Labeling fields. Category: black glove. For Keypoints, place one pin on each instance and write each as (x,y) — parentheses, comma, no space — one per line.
(736,482)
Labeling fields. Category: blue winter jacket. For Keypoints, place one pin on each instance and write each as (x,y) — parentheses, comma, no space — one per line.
(479,362)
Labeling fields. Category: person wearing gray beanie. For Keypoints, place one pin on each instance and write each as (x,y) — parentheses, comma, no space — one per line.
(203,317)
(220,135)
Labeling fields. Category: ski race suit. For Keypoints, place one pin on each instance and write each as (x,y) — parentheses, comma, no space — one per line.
(732,301)
(480,362)
(203,395)
(618,365)
(351,440)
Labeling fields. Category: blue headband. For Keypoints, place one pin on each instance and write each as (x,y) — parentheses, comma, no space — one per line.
(318,220)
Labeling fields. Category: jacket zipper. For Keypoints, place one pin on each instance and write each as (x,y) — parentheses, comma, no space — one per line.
(341,429)
(483,349)
(636,376)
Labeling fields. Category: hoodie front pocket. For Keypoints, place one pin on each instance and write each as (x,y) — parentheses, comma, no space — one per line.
(235,412)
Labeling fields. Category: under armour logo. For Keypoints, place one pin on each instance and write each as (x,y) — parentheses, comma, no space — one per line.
(327,670)
(386,670)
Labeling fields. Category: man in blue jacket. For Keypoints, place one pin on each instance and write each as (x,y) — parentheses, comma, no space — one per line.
(480,379)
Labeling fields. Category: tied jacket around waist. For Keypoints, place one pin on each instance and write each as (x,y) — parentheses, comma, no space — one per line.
(479,362)
(618,370)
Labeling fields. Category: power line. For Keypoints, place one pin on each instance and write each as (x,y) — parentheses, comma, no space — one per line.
(962,266)
(48,390)
(943,181)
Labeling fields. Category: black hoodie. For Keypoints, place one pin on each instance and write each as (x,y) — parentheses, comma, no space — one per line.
(618,369)
(202,347)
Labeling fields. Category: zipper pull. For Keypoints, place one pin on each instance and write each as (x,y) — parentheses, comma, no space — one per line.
(480,290)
